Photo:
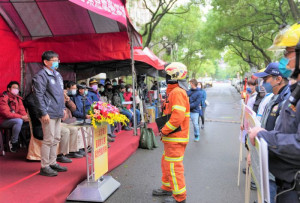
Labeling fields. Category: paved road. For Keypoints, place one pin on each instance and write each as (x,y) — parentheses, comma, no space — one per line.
(210,164)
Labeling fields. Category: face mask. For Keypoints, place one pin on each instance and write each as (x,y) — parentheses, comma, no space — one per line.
(248,89)
(114,84)
(199,86)
(73,92)
(101,89)
(268,87)
(54,65)
(86,92)
(283,67)
(15,91)
(189,86)
(95,87)
(123,83)
(109,89)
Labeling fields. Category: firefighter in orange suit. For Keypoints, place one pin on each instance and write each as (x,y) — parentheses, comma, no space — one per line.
(175,134)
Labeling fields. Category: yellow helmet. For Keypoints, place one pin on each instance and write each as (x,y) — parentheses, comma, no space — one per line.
(176,70)
(287,37)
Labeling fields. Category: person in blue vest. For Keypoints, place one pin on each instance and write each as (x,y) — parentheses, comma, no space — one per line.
(195,100)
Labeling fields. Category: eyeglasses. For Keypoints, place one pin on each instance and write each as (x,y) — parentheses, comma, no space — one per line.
(55,60)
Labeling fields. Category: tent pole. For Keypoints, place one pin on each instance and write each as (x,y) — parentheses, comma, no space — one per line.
(158,93)
(22,73)
(133,83)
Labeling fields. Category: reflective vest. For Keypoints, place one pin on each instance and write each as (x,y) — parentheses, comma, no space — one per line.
(178,107)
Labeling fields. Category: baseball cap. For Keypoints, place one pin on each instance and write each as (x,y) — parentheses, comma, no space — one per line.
(81,86)
(272,69)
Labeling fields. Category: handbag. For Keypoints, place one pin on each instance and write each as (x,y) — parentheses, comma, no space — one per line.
(147,138)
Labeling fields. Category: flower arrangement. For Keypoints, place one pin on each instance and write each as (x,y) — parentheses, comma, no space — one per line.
(103,112)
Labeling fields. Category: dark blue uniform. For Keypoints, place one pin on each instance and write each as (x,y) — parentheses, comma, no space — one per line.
(284,149)
(94,96)
(79,105)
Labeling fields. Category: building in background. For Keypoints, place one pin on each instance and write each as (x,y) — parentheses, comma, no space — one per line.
(138,12)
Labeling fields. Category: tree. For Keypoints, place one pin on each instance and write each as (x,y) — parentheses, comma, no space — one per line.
(158,10)
(245,28)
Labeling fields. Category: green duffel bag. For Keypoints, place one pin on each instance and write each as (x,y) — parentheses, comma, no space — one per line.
(154,142)
(147,138)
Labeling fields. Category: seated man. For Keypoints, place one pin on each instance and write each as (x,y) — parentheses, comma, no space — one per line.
(71,89)
(69,134)
(82,94)
(93,92)
(118,98)
(12,112)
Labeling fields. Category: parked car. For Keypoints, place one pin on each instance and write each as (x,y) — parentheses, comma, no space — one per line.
(207,82)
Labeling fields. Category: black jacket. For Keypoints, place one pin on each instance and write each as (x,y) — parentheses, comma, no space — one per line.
(30,104)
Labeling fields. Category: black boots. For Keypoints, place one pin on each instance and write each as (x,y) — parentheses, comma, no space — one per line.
(172,200)
(161,192)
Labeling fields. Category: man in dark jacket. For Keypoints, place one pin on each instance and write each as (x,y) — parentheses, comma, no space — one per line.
(12,112)
(195,100)
(48,90)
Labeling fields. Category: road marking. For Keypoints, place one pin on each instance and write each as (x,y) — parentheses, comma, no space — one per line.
(222,121)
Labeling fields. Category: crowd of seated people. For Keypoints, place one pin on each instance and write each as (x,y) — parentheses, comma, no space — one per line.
(13,114)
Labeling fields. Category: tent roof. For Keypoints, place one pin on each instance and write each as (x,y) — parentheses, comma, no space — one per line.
(32,19)
(149,58)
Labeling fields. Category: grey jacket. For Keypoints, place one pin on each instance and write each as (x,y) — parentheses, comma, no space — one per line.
(284,143)
(48,91)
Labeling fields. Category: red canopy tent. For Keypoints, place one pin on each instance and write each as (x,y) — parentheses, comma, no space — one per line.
(69,24)
(30,20)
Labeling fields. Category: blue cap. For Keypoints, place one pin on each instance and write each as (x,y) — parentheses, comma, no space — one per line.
(272,69)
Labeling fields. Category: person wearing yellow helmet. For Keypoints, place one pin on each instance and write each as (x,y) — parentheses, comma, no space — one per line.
(175,134)
(284,140)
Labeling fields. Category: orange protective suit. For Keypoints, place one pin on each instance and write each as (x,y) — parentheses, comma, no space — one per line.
(177,104)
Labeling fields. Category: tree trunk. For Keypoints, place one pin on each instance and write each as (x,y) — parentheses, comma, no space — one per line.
(294,10)
(193,75)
